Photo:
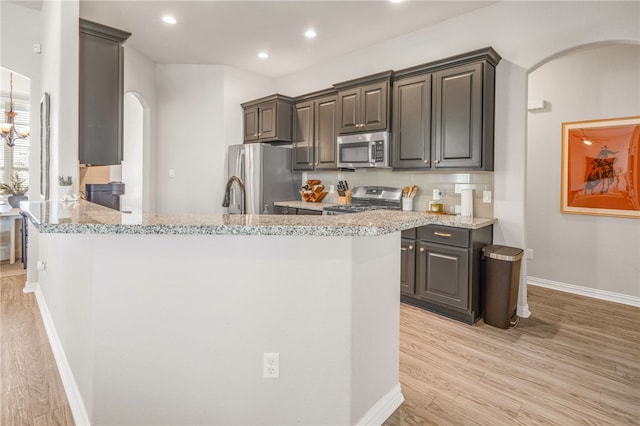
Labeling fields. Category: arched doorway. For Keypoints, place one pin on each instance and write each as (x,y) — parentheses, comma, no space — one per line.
(14,155)
(133,170)
(594,256)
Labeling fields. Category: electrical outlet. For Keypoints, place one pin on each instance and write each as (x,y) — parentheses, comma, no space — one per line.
(529,253)
(172,173)
(271,365)
(486,196)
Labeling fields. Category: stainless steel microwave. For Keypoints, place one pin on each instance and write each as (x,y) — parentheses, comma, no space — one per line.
(363,150)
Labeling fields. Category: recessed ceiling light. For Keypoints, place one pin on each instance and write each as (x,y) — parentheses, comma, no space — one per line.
(263,55)
(396,1)
(310,33)
(169,20)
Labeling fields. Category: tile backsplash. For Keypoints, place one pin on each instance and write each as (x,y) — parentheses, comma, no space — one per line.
(426,182)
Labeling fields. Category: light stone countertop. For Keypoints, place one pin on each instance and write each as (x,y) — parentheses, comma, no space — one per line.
(83,217)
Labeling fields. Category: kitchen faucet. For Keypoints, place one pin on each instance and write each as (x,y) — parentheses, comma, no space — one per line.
(225,202)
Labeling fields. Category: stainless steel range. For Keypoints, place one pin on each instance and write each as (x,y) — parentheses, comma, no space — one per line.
(365,198)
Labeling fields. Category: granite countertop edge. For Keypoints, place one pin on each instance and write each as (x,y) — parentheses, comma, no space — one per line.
(88,218)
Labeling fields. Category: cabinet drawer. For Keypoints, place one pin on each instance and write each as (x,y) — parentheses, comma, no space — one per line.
(409,233)
(445,235)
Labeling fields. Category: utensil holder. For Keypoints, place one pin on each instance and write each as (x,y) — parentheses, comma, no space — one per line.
(407,204)
(346,199)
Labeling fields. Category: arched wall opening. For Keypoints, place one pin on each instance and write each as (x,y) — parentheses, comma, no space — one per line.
(133,164)
(590,255)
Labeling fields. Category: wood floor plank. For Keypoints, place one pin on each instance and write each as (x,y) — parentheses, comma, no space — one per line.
(59,417)
(16,409)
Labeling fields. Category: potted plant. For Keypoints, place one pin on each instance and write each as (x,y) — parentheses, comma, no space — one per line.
(15,189)
(66,188)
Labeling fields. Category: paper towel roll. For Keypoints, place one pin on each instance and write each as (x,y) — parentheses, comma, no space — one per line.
(466,203)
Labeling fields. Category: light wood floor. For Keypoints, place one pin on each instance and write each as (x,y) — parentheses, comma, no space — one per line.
(31,391)
(576,361)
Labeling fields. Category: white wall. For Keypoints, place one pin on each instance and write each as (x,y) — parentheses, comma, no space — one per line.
(60,80)
(601,253)
(198,116)
(167,354)
(190,129)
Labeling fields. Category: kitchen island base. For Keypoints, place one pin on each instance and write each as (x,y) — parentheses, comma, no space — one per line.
(171,329)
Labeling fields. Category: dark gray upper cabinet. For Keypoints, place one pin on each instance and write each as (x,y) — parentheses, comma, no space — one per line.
(101,93)
(463,117)
(326,132)
(363,104)
(268,119)
(412,123)
(462,114)
(303,146)
(315,131)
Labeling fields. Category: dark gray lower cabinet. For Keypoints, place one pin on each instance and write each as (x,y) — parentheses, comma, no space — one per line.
(309,212)
(447,271)
(408,265)
(293,210)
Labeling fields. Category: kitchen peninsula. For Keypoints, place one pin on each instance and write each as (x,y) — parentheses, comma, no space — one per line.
(159,319)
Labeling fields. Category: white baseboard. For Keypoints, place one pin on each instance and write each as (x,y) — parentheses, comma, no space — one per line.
(585,291)
(80,416)
(30,287)
(382,409)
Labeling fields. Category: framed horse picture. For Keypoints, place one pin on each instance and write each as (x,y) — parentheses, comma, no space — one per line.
(601,167)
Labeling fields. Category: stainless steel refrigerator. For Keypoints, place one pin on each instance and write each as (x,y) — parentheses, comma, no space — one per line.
(266,172)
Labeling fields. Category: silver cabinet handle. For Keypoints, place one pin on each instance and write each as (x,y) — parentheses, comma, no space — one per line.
(421,249)
(426,161)
(403,249)
(442,234)
(410,247)
(437,161)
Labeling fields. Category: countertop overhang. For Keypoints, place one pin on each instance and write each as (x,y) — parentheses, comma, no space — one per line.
(83,217)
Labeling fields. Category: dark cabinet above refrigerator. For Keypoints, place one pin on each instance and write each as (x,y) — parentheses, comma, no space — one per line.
(101,93)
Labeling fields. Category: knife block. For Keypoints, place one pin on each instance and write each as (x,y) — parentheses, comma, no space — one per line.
(346,199)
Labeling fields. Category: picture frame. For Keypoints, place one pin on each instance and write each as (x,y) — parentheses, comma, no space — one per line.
(45,146)
(601,167)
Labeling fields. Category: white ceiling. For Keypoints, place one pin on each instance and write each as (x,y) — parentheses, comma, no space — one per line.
(233,32)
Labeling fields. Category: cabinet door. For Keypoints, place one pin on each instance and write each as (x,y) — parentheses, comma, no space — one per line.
(408,266)
(326,131)
(267,120)
(458,117)
(349,110)
(443,274)
(251,124)
(309,212)
(100,100)
(303,148)
(412,123)
(374,106)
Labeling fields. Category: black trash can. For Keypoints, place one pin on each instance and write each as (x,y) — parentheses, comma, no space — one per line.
(501,282)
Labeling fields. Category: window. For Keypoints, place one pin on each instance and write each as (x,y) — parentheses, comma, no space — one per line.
(16,157)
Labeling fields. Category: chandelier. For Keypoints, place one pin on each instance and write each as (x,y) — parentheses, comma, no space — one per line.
(8,129)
